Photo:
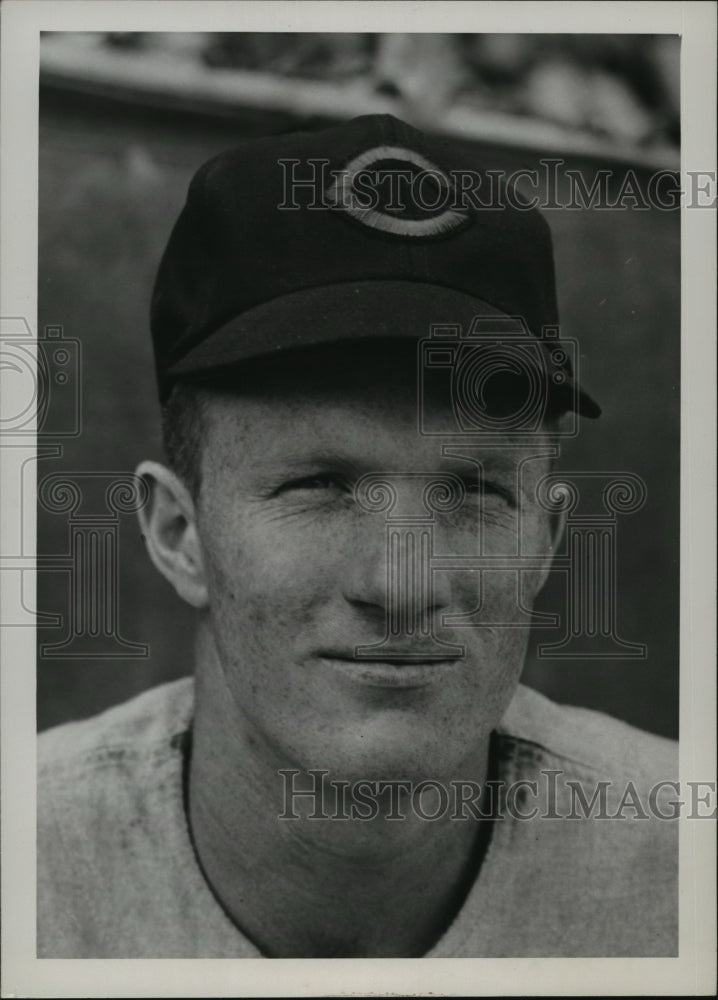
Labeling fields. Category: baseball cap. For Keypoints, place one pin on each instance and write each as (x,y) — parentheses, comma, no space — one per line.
(368,229)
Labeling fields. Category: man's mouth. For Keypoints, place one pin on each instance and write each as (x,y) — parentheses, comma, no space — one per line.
(410,668)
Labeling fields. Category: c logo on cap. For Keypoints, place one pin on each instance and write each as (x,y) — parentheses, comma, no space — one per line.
(398,191)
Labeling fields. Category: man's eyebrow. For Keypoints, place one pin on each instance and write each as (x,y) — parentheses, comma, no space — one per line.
(457,459)
(301,460)
(460,465)
(468,463)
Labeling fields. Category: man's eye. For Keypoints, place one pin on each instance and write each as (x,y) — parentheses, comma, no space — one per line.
(488,488)
(321,481)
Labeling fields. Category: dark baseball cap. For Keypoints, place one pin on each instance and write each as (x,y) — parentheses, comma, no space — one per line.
(368,229)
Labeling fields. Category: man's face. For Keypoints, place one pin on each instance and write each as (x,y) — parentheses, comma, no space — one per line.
(297,575)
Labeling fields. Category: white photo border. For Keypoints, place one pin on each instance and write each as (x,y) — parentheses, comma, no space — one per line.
(693,972)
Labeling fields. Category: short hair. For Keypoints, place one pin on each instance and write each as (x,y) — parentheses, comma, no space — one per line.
(182,431)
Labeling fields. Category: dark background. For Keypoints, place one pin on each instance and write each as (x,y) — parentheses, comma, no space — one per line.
(113,175)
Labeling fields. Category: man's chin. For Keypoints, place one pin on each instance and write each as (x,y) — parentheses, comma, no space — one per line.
(392,749)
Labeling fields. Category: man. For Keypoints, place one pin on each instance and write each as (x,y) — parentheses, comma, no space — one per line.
(361,409)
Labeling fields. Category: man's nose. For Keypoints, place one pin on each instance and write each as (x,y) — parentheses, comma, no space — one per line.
(389,575)
(390,567)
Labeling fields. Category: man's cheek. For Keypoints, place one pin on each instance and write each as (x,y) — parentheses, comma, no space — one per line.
(496,596)
(259,617)
(255,644)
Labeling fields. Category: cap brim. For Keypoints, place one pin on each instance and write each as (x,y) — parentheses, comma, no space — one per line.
(348,311)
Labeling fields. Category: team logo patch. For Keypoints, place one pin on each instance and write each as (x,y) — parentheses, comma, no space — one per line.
(398,191)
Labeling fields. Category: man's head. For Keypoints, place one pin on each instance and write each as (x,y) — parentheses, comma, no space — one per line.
(298,565)
(359,406)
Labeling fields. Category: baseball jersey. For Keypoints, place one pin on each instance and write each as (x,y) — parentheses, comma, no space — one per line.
(582,858)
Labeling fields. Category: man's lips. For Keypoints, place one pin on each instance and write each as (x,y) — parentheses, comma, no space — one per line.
(397,657)
(407,669)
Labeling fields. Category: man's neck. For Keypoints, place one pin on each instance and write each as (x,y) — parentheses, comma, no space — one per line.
(301,887)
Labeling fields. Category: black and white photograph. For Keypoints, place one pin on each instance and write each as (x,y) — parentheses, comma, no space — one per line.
(358,463)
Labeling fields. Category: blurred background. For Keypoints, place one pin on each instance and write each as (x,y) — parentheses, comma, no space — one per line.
(126,119)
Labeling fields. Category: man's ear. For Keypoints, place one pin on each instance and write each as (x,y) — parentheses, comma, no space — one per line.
(169,527)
